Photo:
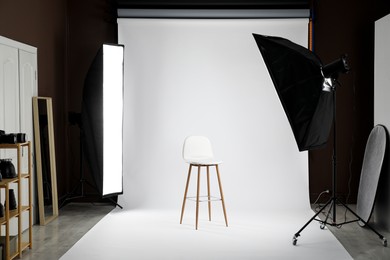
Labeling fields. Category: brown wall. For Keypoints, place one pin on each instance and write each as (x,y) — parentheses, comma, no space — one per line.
(346,27)
(41,23)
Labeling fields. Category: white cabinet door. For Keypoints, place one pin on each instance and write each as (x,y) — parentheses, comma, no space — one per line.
(28,89)
(9,93)
(18,84)
(9,88)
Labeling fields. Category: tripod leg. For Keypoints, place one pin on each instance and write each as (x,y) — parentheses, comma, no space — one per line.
(323,224)
(71,195)
(296,235)
(115,203)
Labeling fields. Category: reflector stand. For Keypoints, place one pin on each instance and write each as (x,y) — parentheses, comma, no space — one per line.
(101,123)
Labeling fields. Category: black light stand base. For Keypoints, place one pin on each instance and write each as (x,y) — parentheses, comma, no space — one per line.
(333,202)
(114,202)
(75,119)
(73,195)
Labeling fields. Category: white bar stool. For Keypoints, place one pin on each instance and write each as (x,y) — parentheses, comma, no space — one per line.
(197,152)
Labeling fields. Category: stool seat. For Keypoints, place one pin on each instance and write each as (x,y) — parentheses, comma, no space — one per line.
(197,152)
(203,162)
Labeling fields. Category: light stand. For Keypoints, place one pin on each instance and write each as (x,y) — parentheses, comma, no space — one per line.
(334,200)
(304,87)
(75,118)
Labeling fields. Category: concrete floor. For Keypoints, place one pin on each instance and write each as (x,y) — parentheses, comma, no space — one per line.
(50,242)
(360,242)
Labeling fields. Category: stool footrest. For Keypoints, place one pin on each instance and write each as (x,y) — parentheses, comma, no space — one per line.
(201,198)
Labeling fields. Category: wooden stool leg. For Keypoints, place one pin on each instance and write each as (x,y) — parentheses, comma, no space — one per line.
(220,190)
(185,193)
(208,191)
(197,199)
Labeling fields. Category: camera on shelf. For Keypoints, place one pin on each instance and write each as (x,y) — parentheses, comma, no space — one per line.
(7,169)
(12,138)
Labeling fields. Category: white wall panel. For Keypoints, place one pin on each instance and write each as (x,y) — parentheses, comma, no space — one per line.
(207,77)
(382,113)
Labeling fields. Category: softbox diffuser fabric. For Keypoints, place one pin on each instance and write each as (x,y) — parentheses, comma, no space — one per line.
(298,80)
(92,119)
(102,118)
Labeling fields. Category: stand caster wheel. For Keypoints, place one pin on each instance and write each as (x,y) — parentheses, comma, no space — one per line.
(384,242)
(294,241)
(322,226)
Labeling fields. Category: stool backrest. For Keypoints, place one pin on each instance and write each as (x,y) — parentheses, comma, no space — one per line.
(197,147)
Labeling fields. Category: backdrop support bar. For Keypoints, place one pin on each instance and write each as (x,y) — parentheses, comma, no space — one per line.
(214,13)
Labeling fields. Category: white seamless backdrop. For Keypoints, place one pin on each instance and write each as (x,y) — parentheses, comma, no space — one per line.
(207,77)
